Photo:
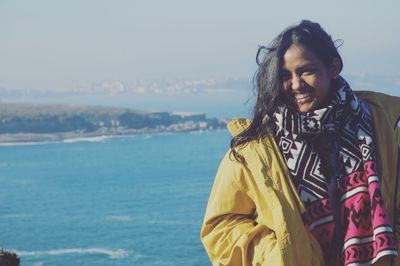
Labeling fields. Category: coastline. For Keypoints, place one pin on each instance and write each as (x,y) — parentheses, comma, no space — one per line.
(14,139)
(41,123)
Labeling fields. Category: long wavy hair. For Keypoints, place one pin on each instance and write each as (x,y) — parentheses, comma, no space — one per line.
(268,78)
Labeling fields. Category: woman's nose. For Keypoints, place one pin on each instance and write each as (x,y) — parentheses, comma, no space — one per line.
(297,82)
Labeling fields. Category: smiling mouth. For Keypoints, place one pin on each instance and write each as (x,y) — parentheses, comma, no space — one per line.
(301,98)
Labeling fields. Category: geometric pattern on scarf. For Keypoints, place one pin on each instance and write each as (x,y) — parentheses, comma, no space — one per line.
(344,207)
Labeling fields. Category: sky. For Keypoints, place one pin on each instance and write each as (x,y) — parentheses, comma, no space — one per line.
(54,44)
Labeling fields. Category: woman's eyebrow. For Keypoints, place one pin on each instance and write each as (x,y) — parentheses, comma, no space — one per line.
(305,66)
(300,68)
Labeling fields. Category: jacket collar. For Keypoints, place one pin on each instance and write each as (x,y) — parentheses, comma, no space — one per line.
(389,104)
(238,125)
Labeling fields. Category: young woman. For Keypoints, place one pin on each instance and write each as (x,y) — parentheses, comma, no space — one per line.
(313,178)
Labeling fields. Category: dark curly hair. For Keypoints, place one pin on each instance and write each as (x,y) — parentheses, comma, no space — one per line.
(268,81)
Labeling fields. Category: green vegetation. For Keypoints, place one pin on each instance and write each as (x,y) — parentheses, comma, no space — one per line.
(28,122)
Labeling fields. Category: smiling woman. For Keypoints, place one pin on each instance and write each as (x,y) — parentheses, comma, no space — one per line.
(313,179)
(306,79)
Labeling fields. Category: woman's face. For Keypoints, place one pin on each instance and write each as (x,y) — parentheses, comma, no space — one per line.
(306,79)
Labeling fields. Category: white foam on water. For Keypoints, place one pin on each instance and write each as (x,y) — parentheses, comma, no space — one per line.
(113,254)
(70,140)
(7,144)
(87,139)
(198,132)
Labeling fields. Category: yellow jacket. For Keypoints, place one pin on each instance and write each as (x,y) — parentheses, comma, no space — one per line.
(254,212)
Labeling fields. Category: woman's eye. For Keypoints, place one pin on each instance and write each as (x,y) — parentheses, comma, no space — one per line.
(308,72)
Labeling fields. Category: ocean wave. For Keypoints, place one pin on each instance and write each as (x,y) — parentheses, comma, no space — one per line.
(8,144)
(68,140)
(87,139)
(113,254)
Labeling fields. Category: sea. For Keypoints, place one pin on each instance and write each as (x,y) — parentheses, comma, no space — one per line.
(132,200)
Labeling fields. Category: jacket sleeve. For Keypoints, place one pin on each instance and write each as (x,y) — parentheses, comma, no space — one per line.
(230,232)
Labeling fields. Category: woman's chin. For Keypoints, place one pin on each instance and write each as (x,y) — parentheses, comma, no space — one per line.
(305,106)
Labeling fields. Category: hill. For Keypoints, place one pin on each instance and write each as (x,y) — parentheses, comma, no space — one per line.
(33,122)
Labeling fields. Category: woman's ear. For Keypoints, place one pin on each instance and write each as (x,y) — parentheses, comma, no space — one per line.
(335,68)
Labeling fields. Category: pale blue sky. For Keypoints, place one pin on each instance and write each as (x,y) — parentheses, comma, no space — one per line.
(54,44)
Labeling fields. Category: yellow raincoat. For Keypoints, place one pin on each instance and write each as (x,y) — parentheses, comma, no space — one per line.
(254,212)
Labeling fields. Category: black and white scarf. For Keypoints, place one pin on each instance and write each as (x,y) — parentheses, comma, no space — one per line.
(330,153)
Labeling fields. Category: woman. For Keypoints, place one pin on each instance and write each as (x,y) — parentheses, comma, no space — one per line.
(313,179)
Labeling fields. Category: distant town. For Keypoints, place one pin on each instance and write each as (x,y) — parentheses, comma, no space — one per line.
(388,84)
(140,87)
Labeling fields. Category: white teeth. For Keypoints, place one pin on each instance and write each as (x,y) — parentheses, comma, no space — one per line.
(302,95)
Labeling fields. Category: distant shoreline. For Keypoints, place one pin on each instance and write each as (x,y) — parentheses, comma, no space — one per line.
(38,123)
(69,137)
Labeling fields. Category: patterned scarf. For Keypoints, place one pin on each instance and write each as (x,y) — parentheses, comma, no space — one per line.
(330,153)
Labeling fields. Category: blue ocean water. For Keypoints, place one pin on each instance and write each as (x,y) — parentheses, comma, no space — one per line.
(135,200)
